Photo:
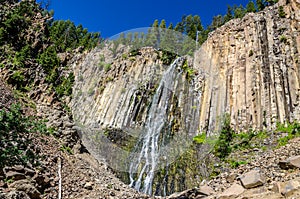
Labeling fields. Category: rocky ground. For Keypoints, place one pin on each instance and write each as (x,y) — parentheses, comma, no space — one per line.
(81,175)
(268,174)
(272,174)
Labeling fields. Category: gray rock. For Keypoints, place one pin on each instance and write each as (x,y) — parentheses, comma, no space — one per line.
(14,175)
(232,192)
(88,186)
(18,168)
(288,188)
(2,196)
(29,172)
(190,193)
(290,163)
(30,190)
(252,179)
(42,180)
(26,187)
(17,195)
(206,190)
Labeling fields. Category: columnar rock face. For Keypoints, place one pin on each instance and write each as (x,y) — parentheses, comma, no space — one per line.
(248,68)
(252,70)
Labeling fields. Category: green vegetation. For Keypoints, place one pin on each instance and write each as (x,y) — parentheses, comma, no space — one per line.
(283,39)
(222,147)
(66,149)
(251,53)
(190,72)
(167,57)
(29,38)
(234,164)
(281,12)
(291,129)
(14,127)
(107,67)
(200,139)
(229,143)
(190,24)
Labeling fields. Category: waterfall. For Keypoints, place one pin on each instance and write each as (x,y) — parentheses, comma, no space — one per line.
(145,159)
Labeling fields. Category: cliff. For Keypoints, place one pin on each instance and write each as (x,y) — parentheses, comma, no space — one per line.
(248,68)
(253,70)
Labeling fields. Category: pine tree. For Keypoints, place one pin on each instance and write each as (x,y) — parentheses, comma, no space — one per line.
(216,22)
(271,2)
(197,23)
(239,12)
(260,4)
(163,24)
(180,27)
(129,38)
(155,24)
(228,16)
(251,7)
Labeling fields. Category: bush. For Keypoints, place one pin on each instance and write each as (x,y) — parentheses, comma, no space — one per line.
(283,39)
(107,67)
(222,148)
(65,87)
(200,139)
(48,59)
(281,12)
(14,135)
(292,130)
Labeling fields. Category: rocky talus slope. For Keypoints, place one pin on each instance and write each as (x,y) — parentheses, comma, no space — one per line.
(81,175)
(249,68)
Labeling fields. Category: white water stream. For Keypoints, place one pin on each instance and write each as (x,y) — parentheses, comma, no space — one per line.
(144,163)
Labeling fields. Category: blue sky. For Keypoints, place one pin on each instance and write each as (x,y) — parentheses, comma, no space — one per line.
(111,17)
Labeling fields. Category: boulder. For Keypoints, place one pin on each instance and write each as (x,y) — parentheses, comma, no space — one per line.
(29,172)
(43,180)
(88,186)
(252,179)
(30,190)
(232,192)
(206,190)
(290,163)
(17,195)
(190,193)
(26,187)
(14,175)
(288,188)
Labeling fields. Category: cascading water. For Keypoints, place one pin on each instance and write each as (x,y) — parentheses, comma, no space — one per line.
(145,159)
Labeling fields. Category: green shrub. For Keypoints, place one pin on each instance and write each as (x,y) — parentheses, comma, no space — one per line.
(281,12)
(66,149)
(222,147)
(18,78)
(251,53)
(200,139)
(91,91)
(65,87)
(167,57)
(107,67)
(234,164)
(292,130)
(48,59)
(283,39)
(15,145)
(21,56)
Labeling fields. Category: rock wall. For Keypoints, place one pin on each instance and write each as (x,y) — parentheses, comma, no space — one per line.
(252,70)
(249,68)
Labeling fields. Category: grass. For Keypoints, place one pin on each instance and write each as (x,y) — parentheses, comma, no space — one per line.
(292,130)
(66,149)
